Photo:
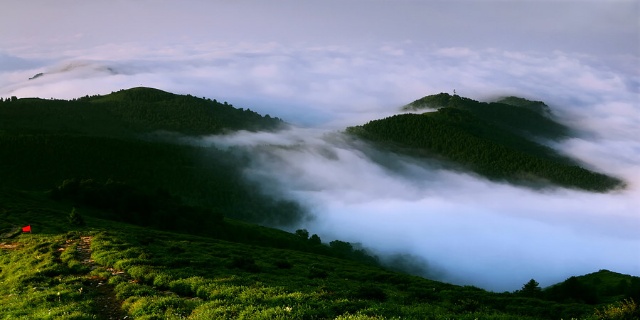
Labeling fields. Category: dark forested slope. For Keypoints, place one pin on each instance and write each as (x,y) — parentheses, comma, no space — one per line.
(492,139)
(131,111)
(44,142)
(518,115)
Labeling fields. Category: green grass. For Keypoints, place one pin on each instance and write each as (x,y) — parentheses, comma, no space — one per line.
(37,283)
(155,274)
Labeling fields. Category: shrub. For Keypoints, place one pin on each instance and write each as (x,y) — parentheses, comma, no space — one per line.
(187,287)
(244,263)
(622,310)
(142,273)
(162,307)
(162,280)
(371,293)
(127,289)
(75,219)
(283,264)
(317,273)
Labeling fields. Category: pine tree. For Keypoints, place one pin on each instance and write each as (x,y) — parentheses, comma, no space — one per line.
(531,289)
(75,218)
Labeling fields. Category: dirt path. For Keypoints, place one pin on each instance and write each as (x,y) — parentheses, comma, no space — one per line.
(107,306)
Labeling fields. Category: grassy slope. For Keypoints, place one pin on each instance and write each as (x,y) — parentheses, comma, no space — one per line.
(155,274)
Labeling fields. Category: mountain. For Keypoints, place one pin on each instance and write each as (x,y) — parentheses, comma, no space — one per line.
(517,115)
(130,136)
(129,112)
(496,140)
(598,287)
(124,221)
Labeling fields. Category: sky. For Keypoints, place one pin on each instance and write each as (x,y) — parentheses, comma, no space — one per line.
(324,65)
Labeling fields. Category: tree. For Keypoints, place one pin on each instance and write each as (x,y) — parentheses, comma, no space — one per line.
(75,218)
(531,289)
(341,248)
(315,240)
(302,233)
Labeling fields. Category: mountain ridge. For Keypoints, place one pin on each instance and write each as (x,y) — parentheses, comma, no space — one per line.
(486,138)
(519,115)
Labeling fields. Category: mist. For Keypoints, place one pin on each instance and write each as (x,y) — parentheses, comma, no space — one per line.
(285,60)
(462,228)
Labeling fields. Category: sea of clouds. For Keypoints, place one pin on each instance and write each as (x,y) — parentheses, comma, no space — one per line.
(460,227)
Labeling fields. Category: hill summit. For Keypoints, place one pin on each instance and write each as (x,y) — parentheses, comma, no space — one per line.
(515,114)
(498,140)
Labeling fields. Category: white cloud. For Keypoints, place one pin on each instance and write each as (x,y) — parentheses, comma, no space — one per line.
(488,234)
(483,233)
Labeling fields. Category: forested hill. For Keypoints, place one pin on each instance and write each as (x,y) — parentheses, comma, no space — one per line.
(492,139)
(108,138)
(518,115)
(136,110)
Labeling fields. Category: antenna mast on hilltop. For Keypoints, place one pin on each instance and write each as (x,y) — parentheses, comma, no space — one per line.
(454,92)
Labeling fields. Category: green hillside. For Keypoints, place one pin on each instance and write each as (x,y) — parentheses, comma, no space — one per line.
(597,287)
(104,269)
(518,115)
(123,137)
(493,140)
(129,112)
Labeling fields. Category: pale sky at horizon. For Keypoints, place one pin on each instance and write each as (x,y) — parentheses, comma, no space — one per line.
(589,27)
(323,65)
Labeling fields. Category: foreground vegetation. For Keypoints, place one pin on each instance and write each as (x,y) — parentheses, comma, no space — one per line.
(103,268)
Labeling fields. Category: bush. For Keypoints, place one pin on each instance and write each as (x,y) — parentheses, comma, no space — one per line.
(317,273)
(244,263)
(622,310)
(283,264)
(75,218)
(371,293)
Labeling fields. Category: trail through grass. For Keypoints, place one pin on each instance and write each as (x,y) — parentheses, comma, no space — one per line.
(106,305)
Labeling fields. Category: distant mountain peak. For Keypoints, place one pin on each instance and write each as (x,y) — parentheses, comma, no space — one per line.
(140,93)
(537,106)
(80,67)
(37,75)
(433,101)
(499,140)
(513,113)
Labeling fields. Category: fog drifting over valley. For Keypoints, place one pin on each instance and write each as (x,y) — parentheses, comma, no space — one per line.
(321,77)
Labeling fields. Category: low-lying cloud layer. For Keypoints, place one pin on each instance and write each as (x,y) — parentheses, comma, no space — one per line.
(467,229)
(311,85)
(464,228)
